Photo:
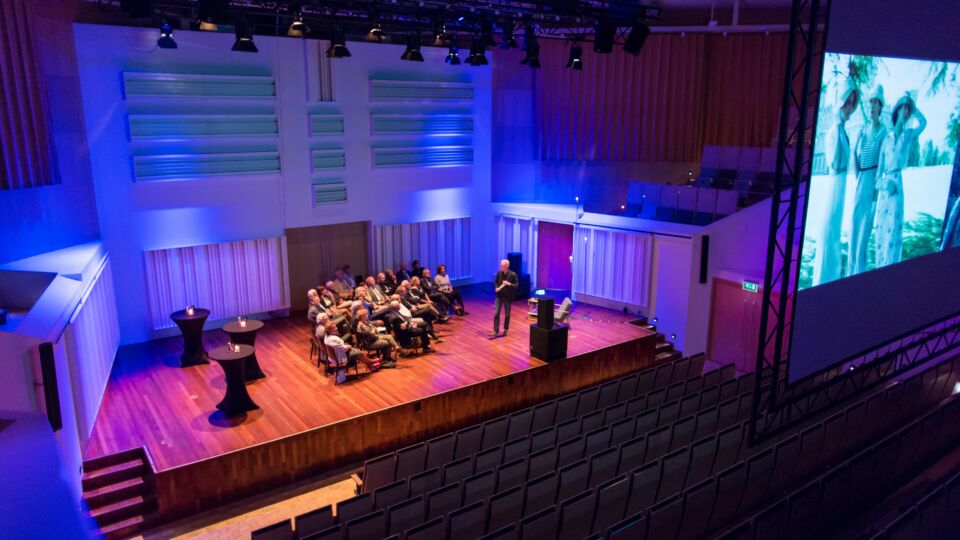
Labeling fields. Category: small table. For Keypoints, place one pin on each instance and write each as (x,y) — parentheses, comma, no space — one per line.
(247,335)
(191,326)
(236,401)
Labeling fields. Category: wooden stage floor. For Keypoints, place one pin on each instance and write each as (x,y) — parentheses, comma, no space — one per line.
(150,401)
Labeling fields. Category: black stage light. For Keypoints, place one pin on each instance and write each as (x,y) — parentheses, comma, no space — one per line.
(532,58)
(508,41)
(412,52)
(338,44)
(606,34)
(453,55)
(375,33)
(166,40)
(211,13)
(244,41)
(636,38)
(298,28)
(576,58)
(477,52)
(440,36)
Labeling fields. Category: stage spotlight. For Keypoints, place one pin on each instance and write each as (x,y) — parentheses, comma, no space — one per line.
(440,36)
(453,55)
(532,57)
(508,41)
(576,58)
(298,28)
(375,33)
(477,52)
(338,44)
(636,38)
(606,34)
(244,41)
(211,13)
(166,40)
(412,52)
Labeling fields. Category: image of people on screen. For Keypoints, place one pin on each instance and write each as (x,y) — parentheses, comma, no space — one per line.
(884,186)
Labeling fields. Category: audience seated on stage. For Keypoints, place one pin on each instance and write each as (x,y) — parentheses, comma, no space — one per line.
(347,355)
(382,314)
(442,280)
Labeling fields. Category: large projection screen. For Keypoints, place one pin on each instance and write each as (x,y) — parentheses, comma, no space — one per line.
(881,244)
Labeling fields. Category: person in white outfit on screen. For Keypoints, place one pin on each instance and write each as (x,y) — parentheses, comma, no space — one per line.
(866,157)
(894,156)
(826,261)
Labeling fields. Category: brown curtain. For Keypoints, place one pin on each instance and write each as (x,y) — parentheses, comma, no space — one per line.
(682,92)
(26,153)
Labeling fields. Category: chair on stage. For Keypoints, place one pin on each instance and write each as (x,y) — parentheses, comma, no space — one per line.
(562,313)
(342,361)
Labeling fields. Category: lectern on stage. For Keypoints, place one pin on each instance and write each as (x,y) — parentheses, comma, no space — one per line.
(548,340)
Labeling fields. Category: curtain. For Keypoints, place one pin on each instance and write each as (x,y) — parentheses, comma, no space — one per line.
(516,234)
(612,264)
(91,339)
(26,151)
(682,92)
(744,87)
(229,279)
(431,242)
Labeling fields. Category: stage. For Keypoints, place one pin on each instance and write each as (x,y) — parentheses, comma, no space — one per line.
(306,425)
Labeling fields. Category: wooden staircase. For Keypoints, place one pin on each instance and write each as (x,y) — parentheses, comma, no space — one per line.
(118,490)
(665,351)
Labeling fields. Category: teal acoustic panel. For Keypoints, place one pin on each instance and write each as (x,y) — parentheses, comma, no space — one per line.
(329,158)
(420,91)
(430,124)
(429,156)
(329,191)
(326,124)
(165,167)
(201,125)
(190,85)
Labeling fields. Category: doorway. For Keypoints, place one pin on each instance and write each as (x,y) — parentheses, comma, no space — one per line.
(554,252)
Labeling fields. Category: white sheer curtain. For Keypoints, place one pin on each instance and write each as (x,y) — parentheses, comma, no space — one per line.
(517,234)
(91,341)
(229,279)
(610,264)
(431,242)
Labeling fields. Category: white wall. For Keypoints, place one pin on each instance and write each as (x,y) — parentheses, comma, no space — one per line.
(738,247)
(138,216)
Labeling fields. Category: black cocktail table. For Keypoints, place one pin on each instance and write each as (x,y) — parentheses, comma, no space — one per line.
(246,335)
(191,326)
(236,401)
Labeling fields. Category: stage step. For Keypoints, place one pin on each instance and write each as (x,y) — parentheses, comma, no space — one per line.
(124,529)
(119,492)
(112,459)
(112,493)
(667,357)
(112,474)
(664,346)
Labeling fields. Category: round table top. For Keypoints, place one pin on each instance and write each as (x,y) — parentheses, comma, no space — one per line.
(233,327)
(221,354)
(198,313)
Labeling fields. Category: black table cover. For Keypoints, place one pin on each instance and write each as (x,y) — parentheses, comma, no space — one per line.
(236,401)
(247,335)
(191,326)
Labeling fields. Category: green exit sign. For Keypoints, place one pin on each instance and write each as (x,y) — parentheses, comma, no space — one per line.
(751,286)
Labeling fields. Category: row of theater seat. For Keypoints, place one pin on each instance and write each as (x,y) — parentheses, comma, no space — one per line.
(934,517)
(573,488)
(845,487)
(456,454)
(768,469)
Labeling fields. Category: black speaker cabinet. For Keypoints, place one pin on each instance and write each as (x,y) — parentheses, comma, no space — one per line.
(545,312)
(516,262)
(549,345)
(51,394)
(523,288)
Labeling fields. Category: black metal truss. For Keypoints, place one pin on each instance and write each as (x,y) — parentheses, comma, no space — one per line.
(567,19)
(807,18)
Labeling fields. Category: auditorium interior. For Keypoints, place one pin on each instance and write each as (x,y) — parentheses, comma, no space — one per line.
(417,269)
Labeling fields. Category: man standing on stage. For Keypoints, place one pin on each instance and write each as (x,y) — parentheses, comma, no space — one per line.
(506,287)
